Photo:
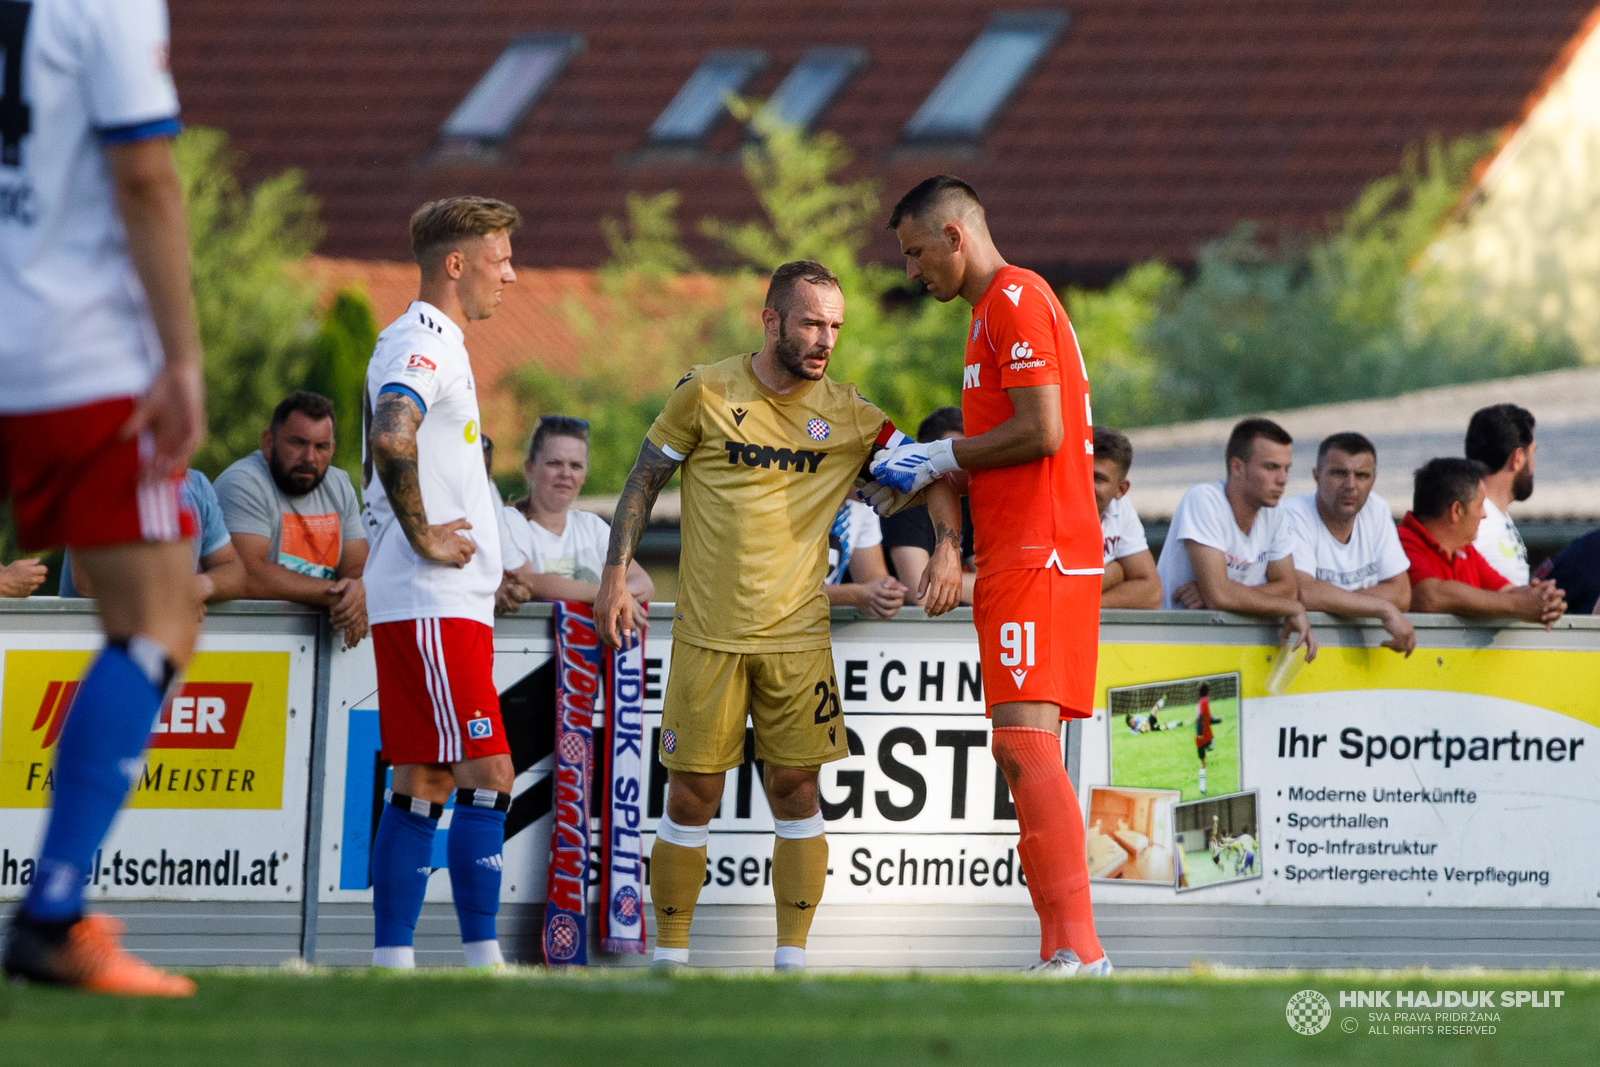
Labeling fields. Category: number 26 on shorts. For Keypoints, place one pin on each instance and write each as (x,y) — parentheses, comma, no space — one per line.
(1016,644)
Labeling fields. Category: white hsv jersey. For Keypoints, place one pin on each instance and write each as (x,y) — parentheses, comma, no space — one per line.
(78,75)
(421,355)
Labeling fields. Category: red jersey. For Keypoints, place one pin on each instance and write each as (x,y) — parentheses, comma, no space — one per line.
(1428,559)
(1039,514)
(1202,723)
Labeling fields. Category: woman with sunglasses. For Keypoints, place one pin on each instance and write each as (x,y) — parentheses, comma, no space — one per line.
(555,552)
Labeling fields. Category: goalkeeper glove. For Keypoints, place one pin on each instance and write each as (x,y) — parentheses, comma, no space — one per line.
(909,468)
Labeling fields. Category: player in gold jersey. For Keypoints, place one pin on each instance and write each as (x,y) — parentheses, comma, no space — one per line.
(769,446)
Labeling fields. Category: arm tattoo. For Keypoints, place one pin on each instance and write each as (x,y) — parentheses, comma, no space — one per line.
(943,533)
(652,471)
(392,443)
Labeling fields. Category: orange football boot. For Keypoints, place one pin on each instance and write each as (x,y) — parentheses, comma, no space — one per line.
(91,958)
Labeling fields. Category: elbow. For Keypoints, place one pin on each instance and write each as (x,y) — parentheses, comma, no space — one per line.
(1049,439)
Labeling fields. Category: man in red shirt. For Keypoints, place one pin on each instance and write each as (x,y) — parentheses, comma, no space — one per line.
(1030,452)
(1447,572)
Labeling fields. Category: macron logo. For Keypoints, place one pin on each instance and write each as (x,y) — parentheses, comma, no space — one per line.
(1019,677)
(1014,294)
(969,375)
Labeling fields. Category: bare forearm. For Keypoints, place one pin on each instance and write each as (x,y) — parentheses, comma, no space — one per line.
(394,455)
(228,582)
(1459,598)
(640,584)
(150,200)
(272,581)
(651,472)
(555,587)
(1033,431)
(1229,595)
(1318,595)
(352,559)
(846,595)
(1142,593)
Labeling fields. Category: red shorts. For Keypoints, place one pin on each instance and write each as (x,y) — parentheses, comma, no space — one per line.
(436,697)
(73,481)
(1039,638)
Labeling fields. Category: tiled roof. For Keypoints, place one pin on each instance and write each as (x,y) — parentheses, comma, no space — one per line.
(1150,126)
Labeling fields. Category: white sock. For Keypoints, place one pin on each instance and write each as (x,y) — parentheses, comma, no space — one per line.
(670,955)
(683,836)
(1202,779)
(799,829)
(482,953)
(395,957)
(789,957)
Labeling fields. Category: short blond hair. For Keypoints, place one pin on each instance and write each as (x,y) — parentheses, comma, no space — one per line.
(439,226)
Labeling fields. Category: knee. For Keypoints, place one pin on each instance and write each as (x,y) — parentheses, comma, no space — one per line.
(791,792)
(692,799)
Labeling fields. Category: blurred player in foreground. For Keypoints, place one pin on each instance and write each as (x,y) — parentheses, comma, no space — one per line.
(432,571)
(1030,450)
(101,403)
(769,445)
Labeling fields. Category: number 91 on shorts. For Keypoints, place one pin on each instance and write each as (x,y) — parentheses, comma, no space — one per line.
(791,697)
(1039,638)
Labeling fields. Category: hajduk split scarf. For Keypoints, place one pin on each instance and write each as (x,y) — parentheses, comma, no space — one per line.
(579,659)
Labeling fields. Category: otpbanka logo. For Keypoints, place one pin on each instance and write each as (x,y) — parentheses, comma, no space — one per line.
(1308,1012)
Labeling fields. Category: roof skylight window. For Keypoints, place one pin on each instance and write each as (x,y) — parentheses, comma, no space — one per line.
(703,99)
(511,86)
(974,90)
(814,83)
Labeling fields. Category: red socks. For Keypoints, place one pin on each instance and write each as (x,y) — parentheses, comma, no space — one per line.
(1051,846)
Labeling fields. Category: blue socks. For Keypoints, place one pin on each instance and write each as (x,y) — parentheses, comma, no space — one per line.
(401,852)
(96,759)
(477,832)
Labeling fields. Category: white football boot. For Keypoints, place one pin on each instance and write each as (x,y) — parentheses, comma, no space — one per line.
(1062,965)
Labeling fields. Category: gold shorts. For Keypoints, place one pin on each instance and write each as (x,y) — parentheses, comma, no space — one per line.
(791,696)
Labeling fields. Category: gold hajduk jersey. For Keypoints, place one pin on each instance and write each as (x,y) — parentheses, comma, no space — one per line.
(763,476)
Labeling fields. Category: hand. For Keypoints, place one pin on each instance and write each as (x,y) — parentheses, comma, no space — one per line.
(1555,603)
(1402,635)
(884,501)
(940,588)
(883,597)
(641,615)
(511,595)
(909,468)
(1299,624)
(22,577)
(614,608)
(1538,601)
(445,544)
(349,604)
(174,411)
(1112,576)
(1188,594)
(203,588)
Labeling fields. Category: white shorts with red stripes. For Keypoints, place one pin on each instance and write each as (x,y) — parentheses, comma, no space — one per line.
(436,697)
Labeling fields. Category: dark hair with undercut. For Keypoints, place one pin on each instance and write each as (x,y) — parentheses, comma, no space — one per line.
(1350,443)
(556,426)
(939,422)
(1496,432)
(1441,482)
(439,226)
(1115,446)
(780,290)
(928,193)
(1244,435)
(313,406)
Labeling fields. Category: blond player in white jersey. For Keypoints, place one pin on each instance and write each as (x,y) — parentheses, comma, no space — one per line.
(101,405)
(431,577)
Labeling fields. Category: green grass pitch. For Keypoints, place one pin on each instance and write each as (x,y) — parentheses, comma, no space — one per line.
(356,1019)
(1165,759)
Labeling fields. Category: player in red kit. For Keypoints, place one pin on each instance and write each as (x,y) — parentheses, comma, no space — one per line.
(1202,731)
(1030,454)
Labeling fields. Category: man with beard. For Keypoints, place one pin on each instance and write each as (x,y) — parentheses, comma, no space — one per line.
(295,519)
(768,446)
(1501,438)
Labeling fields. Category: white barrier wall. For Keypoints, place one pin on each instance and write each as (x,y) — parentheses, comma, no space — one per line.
(1461,776)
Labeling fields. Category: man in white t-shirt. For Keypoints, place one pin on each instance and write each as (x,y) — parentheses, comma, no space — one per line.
(1228,547)
(1130,580)
(1501,438)
(101,404)
(431,575)
(1347,554)
(858,575)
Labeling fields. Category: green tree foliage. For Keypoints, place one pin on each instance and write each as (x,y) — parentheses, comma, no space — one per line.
(256,308)
(1354,314)
(338,370)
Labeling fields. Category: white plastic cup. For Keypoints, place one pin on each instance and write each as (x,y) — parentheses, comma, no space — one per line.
(1286,666)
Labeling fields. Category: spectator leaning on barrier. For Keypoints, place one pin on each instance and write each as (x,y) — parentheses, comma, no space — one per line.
(219,575)
(295,519)
(858,577)
(1130,580)
(1447,572)
(21,577)
(1347,555)
(908,534)
(1228,547)
(550,550)
(1501,438)
(1576,570)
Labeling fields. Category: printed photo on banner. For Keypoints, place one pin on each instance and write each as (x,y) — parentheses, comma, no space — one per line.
(1217,841)
(1129,835)
(1183,735)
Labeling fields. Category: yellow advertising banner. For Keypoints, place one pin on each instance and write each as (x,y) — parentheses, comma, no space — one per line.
(218,743)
